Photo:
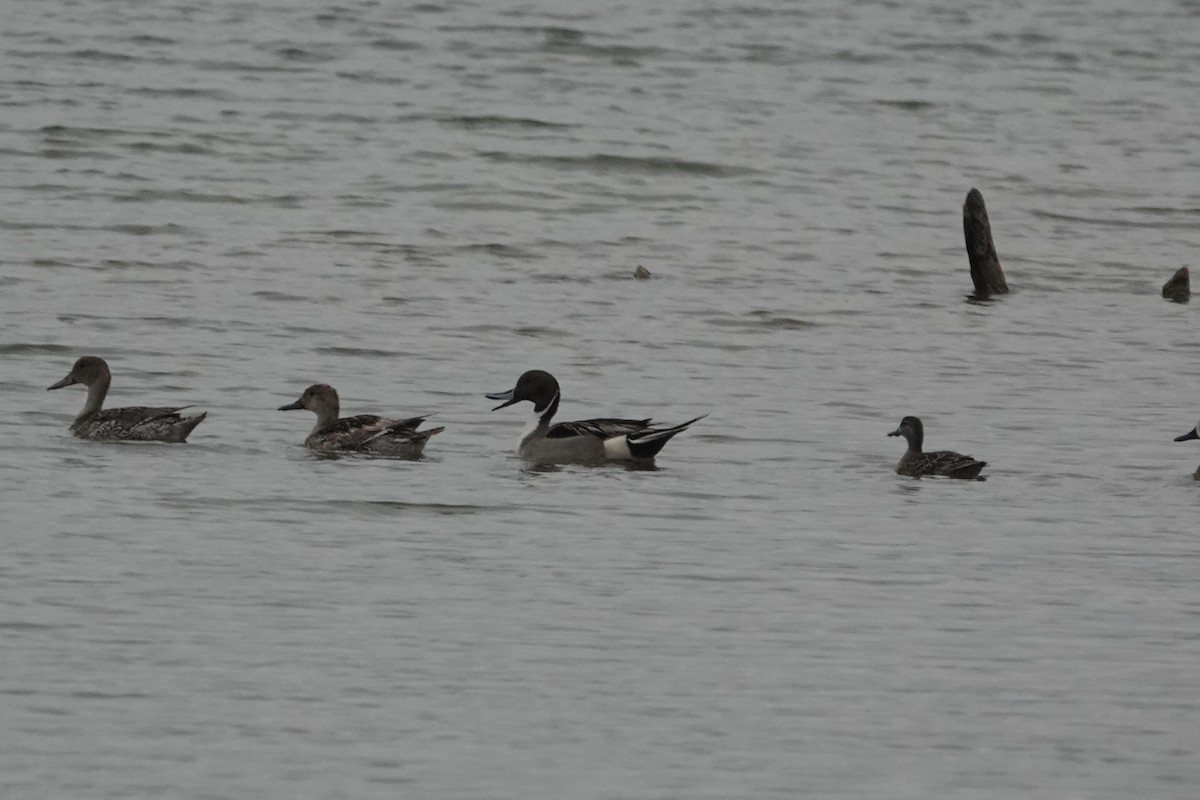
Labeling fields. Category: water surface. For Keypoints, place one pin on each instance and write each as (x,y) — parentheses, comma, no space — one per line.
(415,204)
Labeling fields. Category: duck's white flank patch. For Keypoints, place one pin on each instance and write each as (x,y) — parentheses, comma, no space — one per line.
(617,447)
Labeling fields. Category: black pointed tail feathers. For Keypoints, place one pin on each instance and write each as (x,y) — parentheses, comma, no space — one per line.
(648,443)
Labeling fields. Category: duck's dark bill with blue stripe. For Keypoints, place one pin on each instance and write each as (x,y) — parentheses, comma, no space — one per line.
(1194,433)
(508,397)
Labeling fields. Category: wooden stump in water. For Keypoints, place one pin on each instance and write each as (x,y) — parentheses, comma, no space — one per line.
(1179,288)
(985,264)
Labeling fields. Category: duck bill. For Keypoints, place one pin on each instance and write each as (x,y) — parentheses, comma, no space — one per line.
(291,406)
(68,381)
(507,397)
(896,432)
(1194,433)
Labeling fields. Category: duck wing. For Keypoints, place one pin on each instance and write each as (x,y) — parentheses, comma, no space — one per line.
(133,415)
(401,429)
(354,424)
(603,428)
(409,425)
(349,433)
(138,423)
(950,464)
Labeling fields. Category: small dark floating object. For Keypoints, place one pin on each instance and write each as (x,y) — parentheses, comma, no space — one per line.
(1194,433)
(1179,288)
(641,273)
(917,463)
(985,264)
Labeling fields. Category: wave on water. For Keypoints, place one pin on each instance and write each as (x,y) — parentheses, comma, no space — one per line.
(606,162)
(20,348)
(332,506)
(472,122)
(366,352)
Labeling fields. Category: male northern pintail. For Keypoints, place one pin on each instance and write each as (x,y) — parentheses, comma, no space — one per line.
(365,433)
(134,424)
(1194,433)
(585,441)
(916,463)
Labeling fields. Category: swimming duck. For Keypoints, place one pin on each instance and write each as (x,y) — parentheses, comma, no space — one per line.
(133,424)
(365,433)
(941,462)
(1194,433)
(586,441)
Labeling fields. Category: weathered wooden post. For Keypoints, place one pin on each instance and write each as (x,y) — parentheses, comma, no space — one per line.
(985,264)
(1179,288)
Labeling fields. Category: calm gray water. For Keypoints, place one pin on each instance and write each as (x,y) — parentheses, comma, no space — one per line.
(417,202)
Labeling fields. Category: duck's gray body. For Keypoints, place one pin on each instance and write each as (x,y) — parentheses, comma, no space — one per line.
(585,441)
(916,463)
(130,424)
(137,424)
(367,434)
(590,441)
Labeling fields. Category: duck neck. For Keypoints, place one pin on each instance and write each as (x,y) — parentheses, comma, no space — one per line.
(544,415)
(327,417)
(540,421)
(97,391)
(915,441)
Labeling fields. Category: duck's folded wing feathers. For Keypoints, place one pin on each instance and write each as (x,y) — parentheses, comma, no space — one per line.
(604,428)
(361,422)
(947,462)
(137,415)
(409,425)
(403,429)
(351,432)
